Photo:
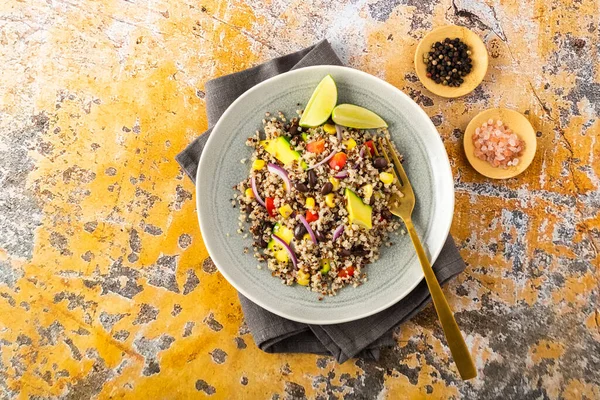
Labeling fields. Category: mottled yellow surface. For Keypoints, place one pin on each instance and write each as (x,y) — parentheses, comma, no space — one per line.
(104,287)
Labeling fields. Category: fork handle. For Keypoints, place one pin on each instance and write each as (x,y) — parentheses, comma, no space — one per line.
(458,347)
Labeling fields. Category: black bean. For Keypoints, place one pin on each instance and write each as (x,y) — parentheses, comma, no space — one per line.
(261,243)
(345,252)
(301,187)
(312,178)
(320,237)
(327,188)
(359,251)
(293,129)
(299,231)
(385,213)
(380,163)
(267,226)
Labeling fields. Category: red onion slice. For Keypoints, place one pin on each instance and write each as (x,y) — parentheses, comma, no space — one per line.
(341,175)
(362,151)
(308,228)
(338,232)
(323,161)
(287,248)
(338,130)
(277,170)
(255,191)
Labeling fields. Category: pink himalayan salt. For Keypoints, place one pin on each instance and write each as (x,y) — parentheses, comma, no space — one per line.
(497,144)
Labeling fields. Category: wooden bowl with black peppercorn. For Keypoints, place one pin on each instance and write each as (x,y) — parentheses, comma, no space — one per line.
(451,61)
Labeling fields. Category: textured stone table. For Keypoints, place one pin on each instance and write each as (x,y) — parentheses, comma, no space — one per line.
(105,286)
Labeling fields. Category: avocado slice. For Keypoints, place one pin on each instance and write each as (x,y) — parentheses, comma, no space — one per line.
(359,213)
(286,234)
(281,149)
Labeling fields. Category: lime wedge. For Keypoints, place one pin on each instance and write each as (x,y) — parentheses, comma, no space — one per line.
(321,103)
(357,117)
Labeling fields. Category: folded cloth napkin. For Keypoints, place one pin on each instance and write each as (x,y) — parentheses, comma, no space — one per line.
(272,333)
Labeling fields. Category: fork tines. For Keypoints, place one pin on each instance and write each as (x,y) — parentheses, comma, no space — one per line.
(391,155)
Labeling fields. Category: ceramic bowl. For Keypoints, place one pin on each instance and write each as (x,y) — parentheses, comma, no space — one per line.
(479,56)
(397,271)
(519,125)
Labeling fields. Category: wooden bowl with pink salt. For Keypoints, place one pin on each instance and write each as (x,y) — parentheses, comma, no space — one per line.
(500,143)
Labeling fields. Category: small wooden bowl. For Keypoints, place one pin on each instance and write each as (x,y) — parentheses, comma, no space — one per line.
(479,56)
(516,122)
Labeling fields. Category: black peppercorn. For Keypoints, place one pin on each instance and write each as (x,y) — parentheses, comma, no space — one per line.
(448,61)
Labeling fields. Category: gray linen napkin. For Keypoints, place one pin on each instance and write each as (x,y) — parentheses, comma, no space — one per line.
(273,334)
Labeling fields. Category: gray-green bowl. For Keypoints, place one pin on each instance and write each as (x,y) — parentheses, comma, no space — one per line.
(398,271)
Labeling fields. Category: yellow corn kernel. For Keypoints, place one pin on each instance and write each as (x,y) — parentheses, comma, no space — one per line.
(378,195)
(258,165)
(335,182)
(310,203)
(249,193)
(306,236)
(303,278)
(350,144)
(329,129)
(367,191)
(386,178)
(285,210)
(329,200)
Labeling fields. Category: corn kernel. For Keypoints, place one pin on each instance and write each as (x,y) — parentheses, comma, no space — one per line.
(335,182)
(306,236)
(303,278)
(368,191)
(350,144)
(258,165)
(310,203)
(285,210)
(329,129)
(329,200)
(249,193)
(386,178)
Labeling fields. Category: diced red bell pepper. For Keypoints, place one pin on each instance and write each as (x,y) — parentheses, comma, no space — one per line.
(338,161)
(311,216)
(346,272)
(270,203)
(316,147)
(371,147)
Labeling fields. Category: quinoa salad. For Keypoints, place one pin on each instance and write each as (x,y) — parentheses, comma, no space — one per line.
(315,202)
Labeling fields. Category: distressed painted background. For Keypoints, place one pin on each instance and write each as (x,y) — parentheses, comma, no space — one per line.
(105,286)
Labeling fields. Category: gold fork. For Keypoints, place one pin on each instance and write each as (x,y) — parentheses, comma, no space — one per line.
(403,207)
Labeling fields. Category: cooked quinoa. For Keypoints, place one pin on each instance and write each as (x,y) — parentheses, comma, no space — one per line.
(320,199)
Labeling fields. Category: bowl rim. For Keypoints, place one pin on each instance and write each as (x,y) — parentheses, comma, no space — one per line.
(443,225)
